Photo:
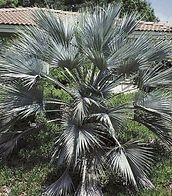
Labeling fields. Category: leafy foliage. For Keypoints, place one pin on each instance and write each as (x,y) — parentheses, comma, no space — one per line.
(95,52)
(142,7)
(8,3)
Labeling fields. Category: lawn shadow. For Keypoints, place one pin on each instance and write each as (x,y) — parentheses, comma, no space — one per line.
(34,150)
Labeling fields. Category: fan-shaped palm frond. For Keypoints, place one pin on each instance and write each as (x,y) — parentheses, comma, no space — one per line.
(18,101)
(62,187)
(128,24)
(106,122)
(63,50)
(8,142)
(137,52)
(60,30)
(154,111)
(133,161)
(62,56)
(95,85)
(112,119)
(97,26)
(155,77)
(81,107)
(78,138)
(89,187)
(104,83)
(100,30)
(25,59)
(10,138)
(155,101)
(156,124)
(18,67)
(29,42)
(96,32)
(118,114)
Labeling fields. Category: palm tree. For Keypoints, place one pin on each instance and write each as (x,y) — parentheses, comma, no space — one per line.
(95,52)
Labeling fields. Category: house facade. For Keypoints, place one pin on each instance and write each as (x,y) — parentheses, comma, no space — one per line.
(12,18)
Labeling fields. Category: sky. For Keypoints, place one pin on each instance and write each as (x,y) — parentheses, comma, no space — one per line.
(163,9)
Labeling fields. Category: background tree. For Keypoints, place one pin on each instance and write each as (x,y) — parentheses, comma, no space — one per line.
(141,6)
(8,3)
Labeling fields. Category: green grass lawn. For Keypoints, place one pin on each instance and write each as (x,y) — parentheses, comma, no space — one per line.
(28,170)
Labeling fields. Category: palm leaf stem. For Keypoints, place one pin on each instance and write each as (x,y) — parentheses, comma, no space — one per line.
(55,102)
(93,74)
(54,120)
(155,112)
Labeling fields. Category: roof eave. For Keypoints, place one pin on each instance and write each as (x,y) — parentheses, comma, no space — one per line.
(8,28)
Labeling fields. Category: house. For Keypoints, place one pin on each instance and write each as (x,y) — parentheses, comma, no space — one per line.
(12,18)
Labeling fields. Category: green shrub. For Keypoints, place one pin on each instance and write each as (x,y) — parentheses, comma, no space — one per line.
(8,3)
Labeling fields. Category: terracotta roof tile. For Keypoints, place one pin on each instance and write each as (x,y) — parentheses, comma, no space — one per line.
(15,16)
(152,26)
(23,16)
